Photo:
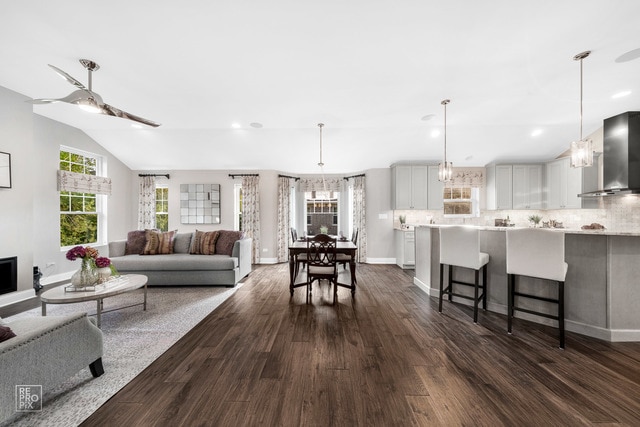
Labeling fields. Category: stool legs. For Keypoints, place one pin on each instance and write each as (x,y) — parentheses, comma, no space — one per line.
(561,312)
(476,291)
(509,302)
(475,297)
(441,290)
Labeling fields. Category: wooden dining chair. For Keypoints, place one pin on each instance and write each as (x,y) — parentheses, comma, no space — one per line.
(321,262)
(343,259)
(301,259)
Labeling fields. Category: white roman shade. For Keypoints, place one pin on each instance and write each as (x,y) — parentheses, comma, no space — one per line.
(319,184)
(466,178)
(82,183)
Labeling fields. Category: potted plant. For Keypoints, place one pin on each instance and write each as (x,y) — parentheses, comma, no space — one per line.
(535,220)
(403,220)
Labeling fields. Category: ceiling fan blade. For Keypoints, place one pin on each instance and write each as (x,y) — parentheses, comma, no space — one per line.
(72,98)
(68,78)
(113,111)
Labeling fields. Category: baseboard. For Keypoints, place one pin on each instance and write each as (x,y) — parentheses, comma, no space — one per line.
(423,286)
(381,260)
(14,297)
(268,260)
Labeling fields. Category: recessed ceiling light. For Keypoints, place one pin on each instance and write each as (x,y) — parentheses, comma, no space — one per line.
(236,125)
(255,125)
(536,132)
(621,94)
(435,133)
(427,117)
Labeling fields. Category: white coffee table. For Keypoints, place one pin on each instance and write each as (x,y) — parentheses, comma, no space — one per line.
(122,284)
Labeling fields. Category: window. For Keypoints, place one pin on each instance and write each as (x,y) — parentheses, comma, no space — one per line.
(461,202)
(81,214)
(162,207)
(322,212)
(237,209)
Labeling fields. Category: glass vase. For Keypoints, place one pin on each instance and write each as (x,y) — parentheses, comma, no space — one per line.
(86,276)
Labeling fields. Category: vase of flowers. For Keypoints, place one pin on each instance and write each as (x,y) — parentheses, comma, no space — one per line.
(105,269)
(88,273)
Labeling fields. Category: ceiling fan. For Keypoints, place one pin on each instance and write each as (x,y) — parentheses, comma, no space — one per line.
(89,100)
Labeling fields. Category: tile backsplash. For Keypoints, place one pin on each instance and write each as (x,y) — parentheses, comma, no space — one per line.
(616,213)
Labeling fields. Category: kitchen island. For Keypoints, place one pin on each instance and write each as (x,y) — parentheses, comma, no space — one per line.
(602,288)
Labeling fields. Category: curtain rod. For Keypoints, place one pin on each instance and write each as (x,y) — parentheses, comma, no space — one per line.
(243,174)
(154,174)
(297,178)
(353,176)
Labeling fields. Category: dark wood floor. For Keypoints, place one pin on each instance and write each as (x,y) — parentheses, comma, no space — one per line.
(387,358)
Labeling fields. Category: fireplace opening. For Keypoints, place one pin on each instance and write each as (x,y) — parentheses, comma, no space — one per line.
(8,275)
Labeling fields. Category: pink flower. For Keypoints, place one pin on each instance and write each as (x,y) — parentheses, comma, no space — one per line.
(102,262)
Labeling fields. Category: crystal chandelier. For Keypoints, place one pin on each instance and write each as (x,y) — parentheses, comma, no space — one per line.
(445,169)
(581,150)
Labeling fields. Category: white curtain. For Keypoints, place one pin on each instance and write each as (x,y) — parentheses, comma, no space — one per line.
(359,217)
(284,220)
(251,213)
(83,183)
(147,203)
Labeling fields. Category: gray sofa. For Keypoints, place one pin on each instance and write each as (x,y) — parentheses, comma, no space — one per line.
(47,351)
(183,268)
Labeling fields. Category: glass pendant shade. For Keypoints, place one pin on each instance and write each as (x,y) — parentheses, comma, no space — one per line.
(445,171)
(581,153)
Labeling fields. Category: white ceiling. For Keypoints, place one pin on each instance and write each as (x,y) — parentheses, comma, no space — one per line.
(368,69)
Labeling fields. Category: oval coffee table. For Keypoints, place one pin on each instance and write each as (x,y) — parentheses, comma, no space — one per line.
(122,284)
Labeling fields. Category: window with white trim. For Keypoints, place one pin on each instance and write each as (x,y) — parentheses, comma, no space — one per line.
(162,207)
(461,202)
(237,206)
(82,215)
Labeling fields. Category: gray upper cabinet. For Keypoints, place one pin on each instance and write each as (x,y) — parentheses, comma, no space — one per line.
(409,187)
(564,183)
(499,187)
(527,187)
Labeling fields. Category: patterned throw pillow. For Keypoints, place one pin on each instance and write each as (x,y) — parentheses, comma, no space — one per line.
(204,243)
(159,243)
(135,242)
(225,242)
(6,333)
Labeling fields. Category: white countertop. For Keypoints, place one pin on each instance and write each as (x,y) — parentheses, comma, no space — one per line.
(565,230)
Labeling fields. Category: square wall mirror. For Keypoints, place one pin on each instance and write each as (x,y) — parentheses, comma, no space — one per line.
(200,203)
(5,170)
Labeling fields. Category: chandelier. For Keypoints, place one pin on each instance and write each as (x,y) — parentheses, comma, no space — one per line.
(581,150)
(445,169)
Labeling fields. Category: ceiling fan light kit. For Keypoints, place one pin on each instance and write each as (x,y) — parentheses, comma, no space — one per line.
(445,169)
(88,100)
(581,150)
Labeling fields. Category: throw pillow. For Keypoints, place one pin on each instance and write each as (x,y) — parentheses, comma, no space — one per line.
(6,333)
(136,240)
(159,243)
(182,243)
(204,243)
(224,245)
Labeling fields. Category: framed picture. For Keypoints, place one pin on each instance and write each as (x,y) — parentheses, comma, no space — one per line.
(5,170)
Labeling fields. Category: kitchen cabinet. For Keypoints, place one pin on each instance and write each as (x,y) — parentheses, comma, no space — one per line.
(405,248)
(499,187)
(564,183)
(435,199)
(409,186)
(527,186)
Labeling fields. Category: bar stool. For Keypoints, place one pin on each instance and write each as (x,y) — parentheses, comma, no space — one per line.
(536,253)
(460,247)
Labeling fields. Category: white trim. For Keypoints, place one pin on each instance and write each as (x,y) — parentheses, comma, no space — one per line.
(381,260)
(423,286)
(14,297)
(268,260)
(624,335)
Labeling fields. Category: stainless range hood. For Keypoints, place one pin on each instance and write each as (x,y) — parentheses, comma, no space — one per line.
(621,156)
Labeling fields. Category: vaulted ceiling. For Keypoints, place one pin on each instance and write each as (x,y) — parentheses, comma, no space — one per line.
(243,84)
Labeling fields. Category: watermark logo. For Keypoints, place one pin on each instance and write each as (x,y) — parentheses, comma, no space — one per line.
(28,398)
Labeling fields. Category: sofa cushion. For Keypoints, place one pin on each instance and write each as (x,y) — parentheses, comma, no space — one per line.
(186,262)
(159,243)
(6,333)
(182,243)
(204,243)
(224,245)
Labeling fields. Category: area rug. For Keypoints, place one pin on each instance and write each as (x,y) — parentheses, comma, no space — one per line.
(133,338)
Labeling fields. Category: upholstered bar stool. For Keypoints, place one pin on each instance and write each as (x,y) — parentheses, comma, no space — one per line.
(536,253)
(460,247)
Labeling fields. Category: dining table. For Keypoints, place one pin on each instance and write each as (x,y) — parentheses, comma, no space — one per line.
(342,247)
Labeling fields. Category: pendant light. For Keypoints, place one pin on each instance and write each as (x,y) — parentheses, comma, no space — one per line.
(320,163)
(581,150)
(445,169)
